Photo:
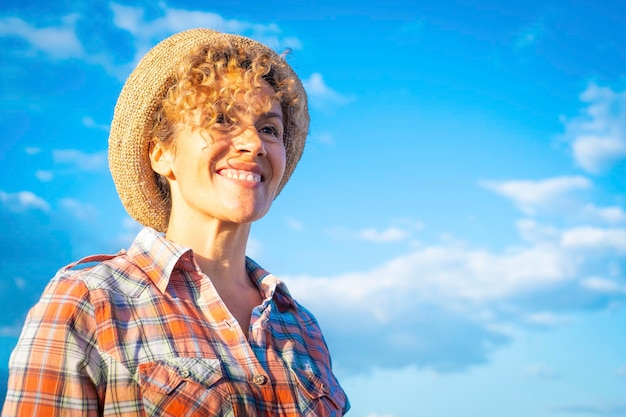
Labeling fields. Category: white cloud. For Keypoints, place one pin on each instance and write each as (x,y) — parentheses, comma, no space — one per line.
(58,42)
(545,318)
(596,153)
(23,200)
(533,232)
(450,275)
(316,86)
(612,214)
(20,283)
(400,230)
(541,372)
(321,96)
(31,150)
(595,238)
(391,234)
(562,195)
(91,123)
(324,138)
(80,211)
(597,135)
(127,17)
(294,224)
(534,196)
(80,160)
(61,41)
(476,294)
(44,175)
(603,285)
(148,32)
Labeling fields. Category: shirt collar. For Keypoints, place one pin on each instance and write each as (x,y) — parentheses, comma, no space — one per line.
(158,257)
(270,286)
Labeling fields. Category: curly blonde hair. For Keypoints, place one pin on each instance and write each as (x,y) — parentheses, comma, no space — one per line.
(213,81)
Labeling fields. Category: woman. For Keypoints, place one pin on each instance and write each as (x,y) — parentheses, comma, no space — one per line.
(207,130)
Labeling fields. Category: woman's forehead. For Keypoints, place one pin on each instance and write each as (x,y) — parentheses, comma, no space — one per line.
(255,100)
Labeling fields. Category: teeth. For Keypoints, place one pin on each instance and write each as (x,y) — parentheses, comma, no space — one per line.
(241,175)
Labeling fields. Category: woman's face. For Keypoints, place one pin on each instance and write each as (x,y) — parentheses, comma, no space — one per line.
(227,173)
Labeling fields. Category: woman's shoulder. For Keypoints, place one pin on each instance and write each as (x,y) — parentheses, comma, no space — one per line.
(114,272)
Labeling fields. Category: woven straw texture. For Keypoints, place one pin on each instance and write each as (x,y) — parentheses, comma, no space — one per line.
(129,139)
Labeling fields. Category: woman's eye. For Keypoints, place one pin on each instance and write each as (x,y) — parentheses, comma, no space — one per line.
(271,131)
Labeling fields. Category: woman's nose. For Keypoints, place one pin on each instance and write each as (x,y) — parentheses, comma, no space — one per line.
(249,141)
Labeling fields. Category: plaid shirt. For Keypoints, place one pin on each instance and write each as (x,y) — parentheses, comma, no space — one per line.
(144,332)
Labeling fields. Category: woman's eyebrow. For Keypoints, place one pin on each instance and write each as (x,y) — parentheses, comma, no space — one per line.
(271,114)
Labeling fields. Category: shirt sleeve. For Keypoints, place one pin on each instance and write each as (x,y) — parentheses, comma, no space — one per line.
(55,368)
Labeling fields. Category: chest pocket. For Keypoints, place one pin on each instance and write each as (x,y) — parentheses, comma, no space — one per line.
(322,397)
(184,387)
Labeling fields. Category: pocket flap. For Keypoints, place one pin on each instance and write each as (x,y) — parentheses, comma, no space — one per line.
(166,374)
(317,388)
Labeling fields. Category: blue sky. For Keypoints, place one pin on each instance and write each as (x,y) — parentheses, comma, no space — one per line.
(457,222)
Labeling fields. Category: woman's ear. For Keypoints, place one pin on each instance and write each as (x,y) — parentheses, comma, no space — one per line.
(161,159)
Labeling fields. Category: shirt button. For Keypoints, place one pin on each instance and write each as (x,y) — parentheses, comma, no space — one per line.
(324,388)
(259,379)
(184,373)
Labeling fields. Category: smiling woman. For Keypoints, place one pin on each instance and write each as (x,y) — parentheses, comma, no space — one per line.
(206,132)
(225,171)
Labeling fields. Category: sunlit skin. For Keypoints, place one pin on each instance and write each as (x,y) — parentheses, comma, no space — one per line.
(222,179)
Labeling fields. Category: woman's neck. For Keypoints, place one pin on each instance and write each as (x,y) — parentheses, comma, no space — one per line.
(219,247)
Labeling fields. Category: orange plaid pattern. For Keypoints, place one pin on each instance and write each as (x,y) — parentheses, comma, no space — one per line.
(145,333)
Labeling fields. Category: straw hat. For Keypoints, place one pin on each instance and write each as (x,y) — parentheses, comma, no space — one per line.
(133,119)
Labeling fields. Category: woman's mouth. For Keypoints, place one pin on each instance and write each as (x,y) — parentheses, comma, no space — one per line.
(241,175)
